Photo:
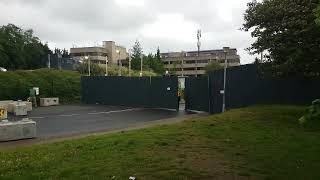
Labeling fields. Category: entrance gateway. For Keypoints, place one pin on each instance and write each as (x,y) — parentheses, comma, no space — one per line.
(150,92)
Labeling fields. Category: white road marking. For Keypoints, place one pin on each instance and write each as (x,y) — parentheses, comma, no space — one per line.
(94,113)
(69,115)
(37,117)
(109,112)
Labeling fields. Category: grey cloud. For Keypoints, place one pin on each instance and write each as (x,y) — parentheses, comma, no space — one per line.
(66,22)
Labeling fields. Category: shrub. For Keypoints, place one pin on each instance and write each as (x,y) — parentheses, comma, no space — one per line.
(312,116)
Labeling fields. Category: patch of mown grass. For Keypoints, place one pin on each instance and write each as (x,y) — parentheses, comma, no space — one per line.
(262,142)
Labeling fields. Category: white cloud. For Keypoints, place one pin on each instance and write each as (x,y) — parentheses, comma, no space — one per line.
(172,27)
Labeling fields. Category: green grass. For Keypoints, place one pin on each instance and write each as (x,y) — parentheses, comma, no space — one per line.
(15,85)
(261,142)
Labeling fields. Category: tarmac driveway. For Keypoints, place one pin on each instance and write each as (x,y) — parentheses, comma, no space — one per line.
(60,121)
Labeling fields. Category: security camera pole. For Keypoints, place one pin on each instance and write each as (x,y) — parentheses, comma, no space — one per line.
(198,45)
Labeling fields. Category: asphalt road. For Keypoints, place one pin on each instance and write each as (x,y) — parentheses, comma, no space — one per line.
(59,121)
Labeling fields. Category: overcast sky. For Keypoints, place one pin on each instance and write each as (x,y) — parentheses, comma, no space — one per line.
(169,24)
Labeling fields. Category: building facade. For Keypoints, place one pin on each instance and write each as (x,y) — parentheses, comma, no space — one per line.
(190,64)
(98,54)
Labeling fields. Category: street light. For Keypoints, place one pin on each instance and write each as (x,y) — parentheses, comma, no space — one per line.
(141,64)
(119,62)
(87,58)
(167,72)
(106,66)
(198,45)
(225,51)
(129,64)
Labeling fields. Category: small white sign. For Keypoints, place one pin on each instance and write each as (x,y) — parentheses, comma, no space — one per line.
(37,90)
(221,91)
(168,88)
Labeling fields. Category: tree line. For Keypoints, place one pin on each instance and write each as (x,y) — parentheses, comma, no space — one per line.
(20,49)
(150,62)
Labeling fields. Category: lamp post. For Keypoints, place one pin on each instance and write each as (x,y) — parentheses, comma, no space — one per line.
(198,45)
(141,64)
(225,51)
(167,73)
(106,66)
(87,58)
(119,62)
(129,64)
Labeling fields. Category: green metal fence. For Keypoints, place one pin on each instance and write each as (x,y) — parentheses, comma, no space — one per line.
(155,92)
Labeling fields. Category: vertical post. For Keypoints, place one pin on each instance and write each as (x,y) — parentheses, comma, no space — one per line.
(106,66)
(89,68)
(225,50)
(141,64)
(198,45)
(89,64)
(119,63)
(49,61)
(197,61)
(182,73)
(129,64)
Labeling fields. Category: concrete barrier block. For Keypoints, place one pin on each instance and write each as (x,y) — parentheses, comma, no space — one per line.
(11,106)
(20,109)
(3,112)
(29,105)
(49,101)
(5,104)
(24,129)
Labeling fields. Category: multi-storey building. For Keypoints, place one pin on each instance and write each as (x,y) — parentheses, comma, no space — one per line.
(190,64)
(98,54)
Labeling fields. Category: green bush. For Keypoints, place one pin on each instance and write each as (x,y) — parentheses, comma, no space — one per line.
(312,116)
(15,85)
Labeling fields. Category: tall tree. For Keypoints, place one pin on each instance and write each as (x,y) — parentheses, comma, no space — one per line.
(317,14)
(158,56)
(286,29)
(136,55)
(20,49)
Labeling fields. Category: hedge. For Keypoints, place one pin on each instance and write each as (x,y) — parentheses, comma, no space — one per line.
(15,85)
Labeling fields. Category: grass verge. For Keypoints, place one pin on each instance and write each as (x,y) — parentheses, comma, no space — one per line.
(261,142)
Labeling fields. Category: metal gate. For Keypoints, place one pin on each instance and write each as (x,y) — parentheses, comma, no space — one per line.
(156,92)
(197,93)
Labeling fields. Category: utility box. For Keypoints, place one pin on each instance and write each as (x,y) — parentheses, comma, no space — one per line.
(49,102)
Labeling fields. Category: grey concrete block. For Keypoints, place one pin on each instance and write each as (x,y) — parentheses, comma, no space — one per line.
(24,129)
(3,112)
(11,106)
(49,101)
(29,105)
(5,104)
(20,109)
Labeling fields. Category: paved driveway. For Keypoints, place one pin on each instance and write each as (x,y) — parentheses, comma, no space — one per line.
(59,121)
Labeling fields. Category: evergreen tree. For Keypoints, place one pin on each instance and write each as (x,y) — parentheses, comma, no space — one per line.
(136,55)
